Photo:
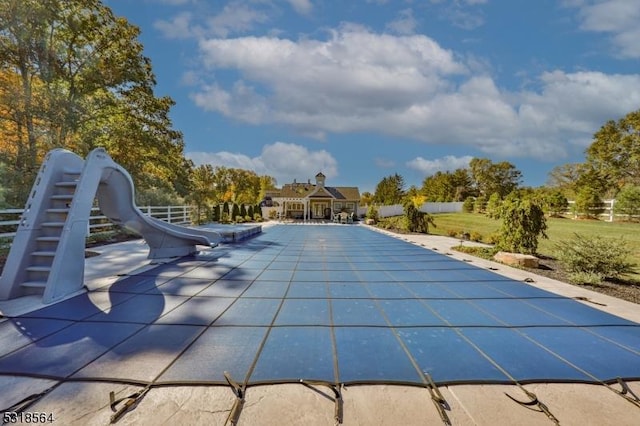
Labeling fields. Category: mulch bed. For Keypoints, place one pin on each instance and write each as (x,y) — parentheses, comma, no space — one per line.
(626,290)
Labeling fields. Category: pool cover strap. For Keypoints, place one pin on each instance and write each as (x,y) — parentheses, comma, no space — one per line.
(437,398)
(239,391)
(129,403)
(534,401)
(337,397)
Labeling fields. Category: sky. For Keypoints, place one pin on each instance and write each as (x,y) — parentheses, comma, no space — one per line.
(362,89)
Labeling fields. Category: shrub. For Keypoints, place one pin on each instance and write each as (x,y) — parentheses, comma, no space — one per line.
(555,203)
(628,201)
(493,206)
(239,219)
(475,236)
(248,218)
(588,278)
(257,217)
(243,210)
(417,221)
(372,213)
(250,211)
(215,213)
(467,206)
(595,255)
(493,238)
(480,204)
(453,232)
(225,218)
(273,214)
(235,210)
(588,202)
(523,222)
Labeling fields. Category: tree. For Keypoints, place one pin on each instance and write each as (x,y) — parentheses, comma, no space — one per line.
(416,220)
(555,203)
(74,76)
(615,152)
(390,190)
(588,202)
(565,178)
(628,201)
(448,186)
(523,222)
(202,190)
(480,204)
(490,177)
(366,198)
(493,206)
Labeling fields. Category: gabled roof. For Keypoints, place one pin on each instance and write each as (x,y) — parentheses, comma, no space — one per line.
(302,190)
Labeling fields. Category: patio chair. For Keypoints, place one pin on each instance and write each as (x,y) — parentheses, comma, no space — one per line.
(350,218)
(336,218)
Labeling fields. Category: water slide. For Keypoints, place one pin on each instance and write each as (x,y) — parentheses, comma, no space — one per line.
(50,240)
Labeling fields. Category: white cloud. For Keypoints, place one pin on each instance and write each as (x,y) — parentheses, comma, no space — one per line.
(179,27)
(284,161)
(406,86)
(236,17)
(303,7)
(447,163)
(620,18)
(404,24)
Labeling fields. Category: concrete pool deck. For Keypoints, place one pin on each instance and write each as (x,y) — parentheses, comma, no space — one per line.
(88,403)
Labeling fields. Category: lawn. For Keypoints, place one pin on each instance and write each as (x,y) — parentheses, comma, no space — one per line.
(558,229)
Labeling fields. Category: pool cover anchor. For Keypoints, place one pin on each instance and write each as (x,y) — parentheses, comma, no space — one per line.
(239,391)
(534,401)
(130,402)
(441,404)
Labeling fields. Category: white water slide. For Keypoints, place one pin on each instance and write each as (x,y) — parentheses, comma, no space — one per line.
(47,253)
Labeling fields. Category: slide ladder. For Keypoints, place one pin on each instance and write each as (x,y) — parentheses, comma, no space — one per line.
(47,253)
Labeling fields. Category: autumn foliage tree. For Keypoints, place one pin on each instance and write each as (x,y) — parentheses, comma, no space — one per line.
(73,75)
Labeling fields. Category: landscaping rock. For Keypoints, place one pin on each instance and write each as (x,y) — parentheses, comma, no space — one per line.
(370,222)
(517,259)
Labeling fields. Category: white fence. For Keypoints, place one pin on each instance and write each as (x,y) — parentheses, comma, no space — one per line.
(180,215)
(397,209)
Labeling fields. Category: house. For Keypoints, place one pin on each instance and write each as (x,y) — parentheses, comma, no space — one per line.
(314,201)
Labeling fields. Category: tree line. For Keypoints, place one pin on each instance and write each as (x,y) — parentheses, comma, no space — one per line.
(73,75)
(611,170)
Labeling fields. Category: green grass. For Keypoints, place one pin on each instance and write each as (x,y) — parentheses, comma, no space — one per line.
(558,230)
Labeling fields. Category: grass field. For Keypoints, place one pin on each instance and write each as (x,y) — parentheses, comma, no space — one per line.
(558,229)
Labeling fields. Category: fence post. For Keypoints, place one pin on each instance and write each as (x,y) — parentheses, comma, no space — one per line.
(611,210)
(184,214)
(169,214)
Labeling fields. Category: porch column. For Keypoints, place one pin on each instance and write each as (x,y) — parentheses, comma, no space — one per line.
(304,210)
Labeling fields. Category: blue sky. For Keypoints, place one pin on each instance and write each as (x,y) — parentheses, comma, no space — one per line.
(363,89)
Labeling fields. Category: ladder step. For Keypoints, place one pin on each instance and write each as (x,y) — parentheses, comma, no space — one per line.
(34,284)
(53,224)
(62,197)
(72,172)
(43,253)
(66,184)
(58,210)
(39,269)
(48,239)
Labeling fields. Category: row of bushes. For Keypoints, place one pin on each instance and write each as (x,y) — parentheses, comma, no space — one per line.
(587,202)
(227,213)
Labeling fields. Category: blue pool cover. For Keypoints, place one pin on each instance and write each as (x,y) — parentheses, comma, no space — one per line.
(338,304)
